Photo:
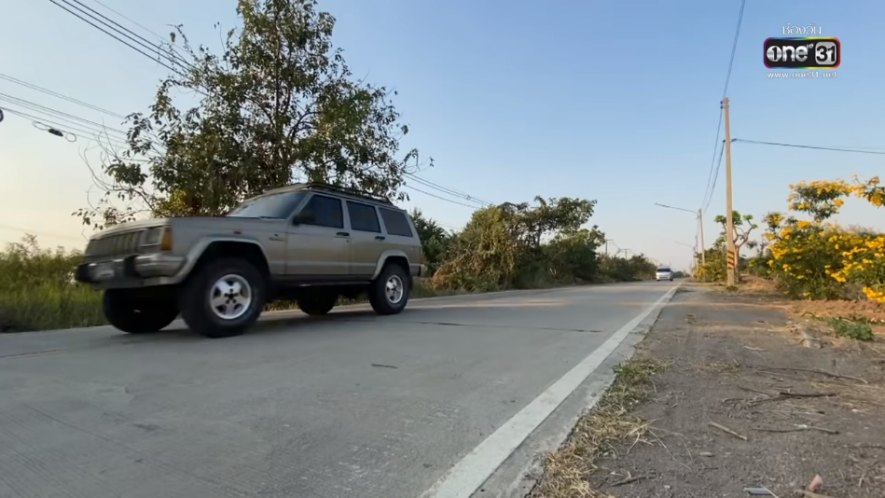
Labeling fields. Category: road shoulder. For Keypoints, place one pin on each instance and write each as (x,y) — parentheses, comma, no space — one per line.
(740,403)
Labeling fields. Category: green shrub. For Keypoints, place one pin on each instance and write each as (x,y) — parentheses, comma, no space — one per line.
(860,331)
(37,290)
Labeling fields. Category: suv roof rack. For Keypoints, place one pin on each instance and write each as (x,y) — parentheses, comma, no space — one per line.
(345,190)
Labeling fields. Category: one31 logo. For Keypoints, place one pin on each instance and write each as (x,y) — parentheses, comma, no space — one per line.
(802,53)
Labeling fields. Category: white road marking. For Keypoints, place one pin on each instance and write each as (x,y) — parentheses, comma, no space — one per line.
(476,467)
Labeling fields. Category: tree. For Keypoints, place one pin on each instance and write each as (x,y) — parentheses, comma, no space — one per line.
(504,246)
(484,254)
(743,227)
(278,104)
(435,240)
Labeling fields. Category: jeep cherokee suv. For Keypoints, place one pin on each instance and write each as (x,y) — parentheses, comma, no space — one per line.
(307,242)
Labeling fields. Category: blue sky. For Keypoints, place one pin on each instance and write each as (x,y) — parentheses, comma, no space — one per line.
(610,100)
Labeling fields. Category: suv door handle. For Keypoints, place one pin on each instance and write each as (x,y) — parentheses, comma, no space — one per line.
(380,237)
(343,234)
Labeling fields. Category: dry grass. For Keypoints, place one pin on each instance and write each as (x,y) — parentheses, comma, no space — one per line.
(610,422)
(823,311)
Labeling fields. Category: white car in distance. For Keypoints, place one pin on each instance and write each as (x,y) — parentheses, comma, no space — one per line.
(664,273)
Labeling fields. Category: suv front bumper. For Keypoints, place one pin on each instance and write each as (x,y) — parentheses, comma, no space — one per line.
(131,271)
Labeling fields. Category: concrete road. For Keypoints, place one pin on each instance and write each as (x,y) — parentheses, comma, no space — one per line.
(348,405)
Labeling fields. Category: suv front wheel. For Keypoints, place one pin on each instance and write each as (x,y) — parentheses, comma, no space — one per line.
(137,312)
(223,298)
(389,292)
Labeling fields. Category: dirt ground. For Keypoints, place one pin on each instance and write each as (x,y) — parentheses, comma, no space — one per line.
(745,403)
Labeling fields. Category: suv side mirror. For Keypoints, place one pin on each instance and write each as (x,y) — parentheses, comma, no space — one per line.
(303,217)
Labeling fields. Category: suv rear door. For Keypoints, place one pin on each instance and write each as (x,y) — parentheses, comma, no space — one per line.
(366,239)
(318,242)
(399,234)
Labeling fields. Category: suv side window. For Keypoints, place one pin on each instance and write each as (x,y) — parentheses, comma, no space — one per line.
(322,211)
(396,222)
(363,217)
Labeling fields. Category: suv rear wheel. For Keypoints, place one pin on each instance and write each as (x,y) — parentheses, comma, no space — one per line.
(136,312)
(317,302)
(223,298)
(389,293)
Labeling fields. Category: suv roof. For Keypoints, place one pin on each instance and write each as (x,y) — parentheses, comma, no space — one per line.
(332,189)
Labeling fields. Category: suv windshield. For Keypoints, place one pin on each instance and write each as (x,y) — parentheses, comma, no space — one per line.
(664,269)
(268,206)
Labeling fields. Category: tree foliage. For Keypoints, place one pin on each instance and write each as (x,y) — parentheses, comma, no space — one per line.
(711,268)
(743,227)
(818,259)
(523,245)
(435,240)
(277,104)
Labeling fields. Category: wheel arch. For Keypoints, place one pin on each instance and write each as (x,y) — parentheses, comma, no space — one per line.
(231,248)
(393,256)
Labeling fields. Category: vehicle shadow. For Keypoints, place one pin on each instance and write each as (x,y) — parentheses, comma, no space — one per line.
(342,320)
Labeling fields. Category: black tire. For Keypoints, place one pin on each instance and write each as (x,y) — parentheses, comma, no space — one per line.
(196,297)
(378,295)
(317,302)
(137,313)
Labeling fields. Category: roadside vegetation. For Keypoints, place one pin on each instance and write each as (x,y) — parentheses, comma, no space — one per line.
(567,470)
(37,290)
(810,257)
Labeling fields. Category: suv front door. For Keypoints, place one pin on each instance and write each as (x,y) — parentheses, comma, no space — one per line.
(366,238)
(318,243)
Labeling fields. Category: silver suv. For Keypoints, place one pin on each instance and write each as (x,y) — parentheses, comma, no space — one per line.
(306,242)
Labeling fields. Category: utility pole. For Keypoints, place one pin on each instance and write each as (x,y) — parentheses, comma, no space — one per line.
(701,226)
(730,256)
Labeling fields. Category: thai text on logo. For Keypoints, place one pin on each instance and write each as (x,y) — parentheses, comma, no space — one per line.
(802,53)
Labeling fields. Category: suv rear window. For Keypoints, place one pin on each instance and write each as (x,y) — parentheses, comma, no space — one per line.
(363,217)
(663,269)
(396,222)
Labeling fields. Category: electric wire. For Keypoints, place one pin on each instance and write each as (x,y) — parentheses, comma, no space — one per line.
(72,100)
(815,147)
(88,134)
(173,56)
(440,197)
(33,106)
(708,193)
(442,188)
(124,42)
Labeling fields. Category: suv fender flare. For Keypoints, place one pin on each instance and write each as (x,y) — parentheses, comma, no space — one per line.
(196,252)
(385,256)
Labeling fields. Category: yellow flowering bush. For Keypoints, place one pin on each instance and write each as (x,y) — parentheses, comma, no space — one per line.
(819,260)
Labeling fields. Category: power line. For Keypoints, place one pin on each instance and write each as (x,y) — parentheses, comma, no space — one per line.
(33,106)
(737,32)
(66,124)
(124,42)
(816,147)
(708,194)
(78,132)
(440,197)
(60,96)
(173,56)
(136,23)
(708,190)
(446,190)
(715,176)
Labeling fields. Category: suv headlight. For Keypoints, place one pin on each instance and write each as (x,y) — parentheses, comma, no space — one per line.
(157,238)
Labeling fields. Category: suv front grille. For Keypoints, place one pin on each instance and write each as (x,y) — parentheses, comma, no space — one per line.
(113,245)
